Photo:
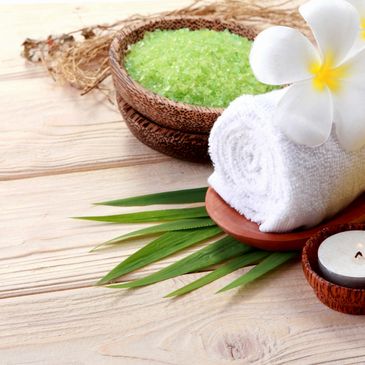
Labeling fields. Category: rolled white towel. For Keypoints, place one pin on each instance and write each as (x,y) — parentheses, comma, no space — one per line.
(271,180)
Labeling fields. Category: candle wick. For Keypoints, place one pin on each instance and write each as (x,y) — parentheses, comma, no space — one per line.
(358,254)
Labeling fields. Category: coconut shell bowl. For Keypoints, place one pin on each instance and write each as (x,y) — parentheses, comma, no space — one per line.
(177,129)
(339,298)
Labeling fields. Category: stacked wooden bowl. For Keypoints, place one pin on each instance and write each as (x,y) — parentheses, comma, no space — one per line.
(174,128)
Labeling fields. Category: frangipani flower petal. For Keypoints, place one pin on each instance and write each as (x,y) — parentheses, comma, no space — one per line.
(305,116)
(335,26)
(354,67)
(350,115)
(359,5)
(282,55)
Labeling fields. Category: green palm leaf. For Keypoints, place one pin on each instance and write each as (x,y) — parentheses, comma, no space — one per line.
(212,254)
(160,228)
(169,197)
(151,216)
(225,269)
(271,262)
(183,228)
(159,248)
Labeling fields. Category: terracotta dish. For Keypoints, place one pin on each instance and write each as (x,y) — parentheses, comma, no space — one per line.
(339,298)
(248,232)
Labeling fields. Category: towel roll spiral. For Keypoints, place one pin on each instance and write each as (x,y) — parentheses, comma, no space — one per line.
(271,180)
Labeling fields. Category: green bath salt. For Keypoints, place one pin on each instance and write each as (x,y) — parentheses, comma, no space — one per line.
(200,67)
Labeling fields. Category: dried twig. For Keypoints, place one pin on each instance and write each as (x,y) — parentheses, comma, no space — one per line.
(80,58)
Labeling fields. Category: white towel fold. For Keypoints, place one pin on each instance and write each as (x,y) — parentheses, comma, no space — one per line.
(271,180)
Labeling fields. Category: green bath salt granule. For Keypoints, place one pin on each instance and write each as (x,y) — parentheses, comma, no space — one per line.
(200,67)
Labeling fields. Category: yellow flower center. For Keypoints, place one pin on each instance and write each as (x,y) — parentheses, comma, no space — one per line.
(362,27)
(325,74)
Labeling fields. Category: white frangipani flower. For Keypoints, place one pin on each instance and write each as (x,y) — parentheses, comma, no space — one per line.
(360,7)
(327,84)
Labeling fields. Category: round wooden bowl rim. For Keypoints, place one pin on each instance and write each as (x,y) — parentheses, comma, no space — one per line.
(321,235)
(150,94)
(161,128)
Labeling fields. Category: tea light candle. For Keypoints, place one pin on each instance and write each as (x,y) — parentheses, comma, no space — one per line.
(341,259)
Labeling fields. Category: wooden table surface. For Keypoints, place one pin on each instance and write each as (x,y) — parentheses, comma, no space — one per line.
(60,152)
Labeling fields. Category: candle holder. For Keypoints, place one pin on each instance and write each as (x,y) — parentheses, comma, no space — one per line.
(339,298)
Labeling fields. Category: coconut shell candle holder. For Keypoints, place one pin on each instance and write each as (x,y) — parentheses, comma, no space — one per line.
(166,117)
(340,298)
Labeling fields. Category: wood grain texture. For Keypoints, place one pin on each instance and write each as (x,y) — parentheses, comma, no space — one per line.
(19,21)
(275,321)
(54,130)
(35,140)
(58,154)
(53,247)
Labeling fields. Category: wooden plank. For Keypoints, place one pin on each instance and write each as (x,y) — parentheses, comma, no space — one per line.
(38,237)
(49,314)
(277,320)
(54,130)
(19,21)
(38,140)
